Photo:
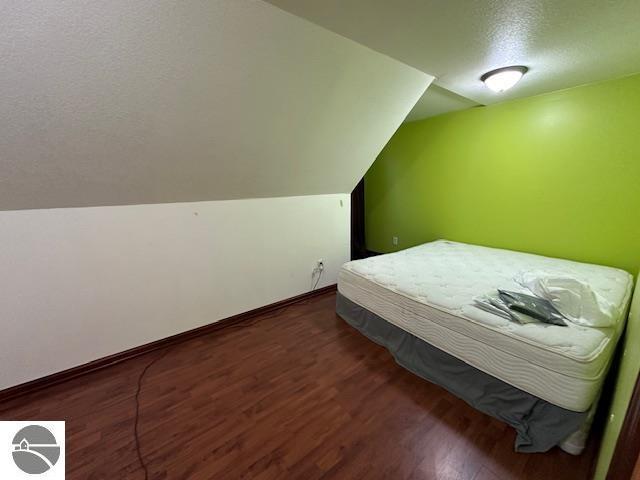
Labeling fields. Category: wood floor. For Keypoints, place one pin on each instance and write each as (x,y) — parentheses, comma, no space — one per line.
(297,395)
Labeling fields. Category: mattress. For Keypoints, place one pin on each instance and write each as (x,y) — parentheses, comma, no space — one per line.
(428,291)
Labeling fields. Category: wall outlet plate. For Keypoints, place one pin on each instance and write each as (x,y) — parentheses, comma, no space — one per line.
(319,267)
(394,240)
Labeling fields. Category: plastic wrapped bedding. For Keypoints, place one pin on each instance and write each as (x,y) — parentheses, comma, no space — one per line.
(575,299)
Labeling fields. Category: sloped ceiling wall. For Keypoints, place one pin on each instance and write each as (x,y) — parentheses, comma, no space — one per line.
(120,102)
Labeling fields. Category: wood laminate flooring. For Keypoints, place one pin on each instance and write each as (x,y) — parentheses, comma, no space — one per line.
(295,394)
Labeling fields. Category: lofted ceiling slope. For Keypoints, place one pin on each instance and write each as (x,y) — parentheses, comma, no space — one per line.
(564,43)
(121,102)
(437,100)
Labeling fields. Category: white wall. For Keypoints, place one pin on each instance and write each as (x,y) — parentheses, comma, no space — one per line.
(121,102)
(148,102)
(82,283)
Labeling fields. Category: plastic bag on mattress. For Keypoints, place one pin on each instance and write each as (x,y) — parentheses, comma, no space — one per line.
(534,307)
(520,307)
(575,299)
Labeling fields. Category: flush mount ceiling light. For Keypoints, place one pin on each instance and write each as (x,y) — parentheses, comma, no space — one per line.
(502,79)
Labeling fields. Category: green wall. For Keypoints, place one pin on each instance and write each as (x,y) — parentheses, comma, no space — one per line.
(557,174)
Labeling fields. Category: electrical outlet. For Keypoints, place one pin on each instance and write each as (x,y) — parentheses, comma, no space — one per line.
(316,273)
(319,268)
(394,240)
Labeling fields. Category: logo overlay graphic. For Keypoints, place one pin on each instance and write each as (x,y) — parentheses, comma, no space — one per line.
(35,449)
(32,449)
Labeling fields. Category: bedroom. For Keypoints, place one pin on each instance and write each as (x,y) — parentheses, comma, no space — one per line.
(247,239)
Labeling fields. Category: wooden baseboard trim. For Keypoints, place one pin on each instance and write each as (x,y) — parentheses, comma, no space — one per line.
(99,364)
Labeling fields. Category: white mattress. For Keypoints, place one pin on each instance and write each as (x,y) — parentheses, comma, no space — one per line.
(428,291)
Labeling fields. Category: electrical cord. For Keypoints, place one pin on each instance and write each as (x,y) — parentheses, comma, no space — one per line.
(136,435)
(319,271)
(144,371)
(317,281)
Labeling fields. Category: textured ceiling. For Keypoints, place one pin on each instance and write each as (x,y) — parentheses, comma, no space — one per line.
(564,43)
(124,102)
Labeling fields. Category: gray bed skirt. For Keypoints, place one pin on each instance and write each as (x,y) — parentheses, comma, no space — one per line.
(540,425)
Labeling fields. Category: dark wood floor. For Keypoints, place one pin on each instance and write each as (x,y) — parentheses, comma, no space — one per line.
(298,395)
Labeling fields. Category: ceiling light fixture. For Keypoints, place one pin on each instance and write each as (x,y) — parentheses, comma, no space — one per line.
(502,79)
